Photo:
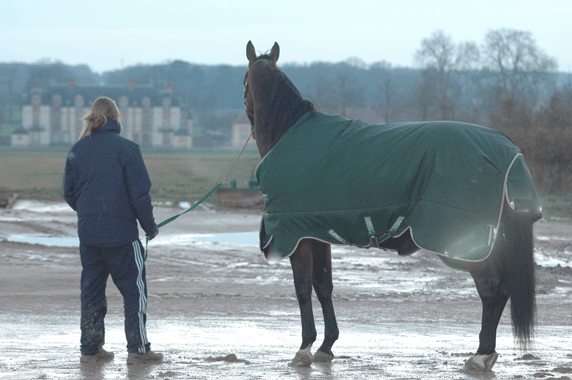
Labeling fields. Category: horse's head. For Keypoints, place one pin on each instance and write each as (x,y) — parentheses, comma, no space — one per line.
(272,102)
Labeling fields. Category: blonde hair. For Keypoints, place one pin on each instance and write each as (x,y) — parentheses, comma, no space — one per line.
(101,109)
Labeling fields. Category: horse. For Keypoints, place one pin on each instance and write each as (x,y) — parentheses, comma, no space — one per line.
(505,271)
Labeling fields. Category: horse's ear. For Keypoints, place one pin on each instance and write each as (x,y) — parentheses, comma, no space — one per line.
(275,52)
(250,53)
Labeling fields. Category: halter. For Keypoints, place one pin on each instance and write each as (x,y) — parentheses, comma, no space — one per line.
(244,103)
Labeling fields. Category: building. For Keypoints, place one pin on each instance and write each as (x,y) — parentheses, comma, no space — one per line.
(240,132)
(20,137)
(182,138)
(149,117)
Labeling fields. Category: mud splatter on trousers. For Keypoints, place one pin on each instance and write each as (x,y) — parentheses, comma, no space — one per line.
(127,269)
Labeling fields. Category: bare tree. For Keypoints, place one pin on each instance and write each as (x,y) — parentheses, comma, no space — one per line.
(518,67)
(322,95)
(347,91)
(385,90)
(468,56)
(558,113)
(424,95)
(440,58)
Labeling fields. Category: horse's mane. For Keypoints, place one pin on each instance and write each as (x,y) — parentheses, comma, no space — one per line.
(283,103)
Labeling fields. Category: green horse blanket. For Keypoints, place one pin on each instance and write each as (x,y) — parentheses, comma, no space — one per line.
(345,182)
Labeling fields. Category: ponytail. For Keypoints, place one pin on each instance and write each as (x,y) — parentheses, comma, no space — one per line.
(102,109)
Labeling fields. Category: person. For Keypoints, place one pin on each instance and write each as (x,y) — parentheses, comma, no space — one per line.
(107,184)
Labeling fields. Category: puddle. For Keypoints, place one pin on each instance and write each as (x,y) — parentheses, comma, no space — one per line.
(353,259)
(553,238)
(553,258)
(42,206)
(45,240)
(348,258)
(246,238)
(243,238)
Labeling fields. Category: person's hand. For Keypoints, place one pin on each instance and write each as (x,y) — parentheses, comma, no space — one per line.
(154,234)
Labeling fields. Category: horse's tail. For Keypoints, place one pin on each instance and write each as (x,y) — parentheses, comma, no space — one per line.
(518,270)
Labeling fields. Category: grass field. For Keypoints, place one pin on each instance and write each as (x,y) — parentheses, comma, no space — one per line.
(176,176)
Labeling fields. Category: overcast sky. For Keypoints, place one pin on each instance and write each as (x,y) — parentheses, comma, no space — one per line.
(108,35)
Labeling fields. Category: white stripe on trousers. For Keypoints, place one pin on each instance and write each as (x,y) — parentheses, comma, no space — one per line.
(142,298)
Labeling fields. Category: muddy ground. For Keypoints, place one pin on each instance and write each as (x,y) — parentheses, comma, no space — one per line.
(219,311)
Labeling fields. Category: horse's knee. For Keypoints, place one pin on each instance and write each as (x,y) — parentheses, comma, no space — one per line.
(302,265)
(322,276)
(304,293)
(324,292)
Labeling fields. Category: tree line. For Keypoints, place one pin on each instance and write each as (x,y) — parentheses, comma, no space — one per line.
(506,82)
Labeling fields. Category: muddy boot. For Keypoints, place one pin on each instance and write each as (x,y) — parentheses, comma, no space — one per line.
(101,356)
(149,357)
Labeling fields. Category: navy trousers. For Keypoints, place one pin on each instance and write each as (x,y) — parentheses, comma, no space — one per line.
(127,269)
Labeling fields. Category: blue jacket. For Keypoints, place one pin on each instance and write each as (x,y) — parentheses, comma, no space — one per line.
(106,182)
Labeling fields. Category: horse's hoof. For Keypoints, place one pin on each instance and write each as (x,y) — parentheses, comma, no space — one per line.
(303,358)
(481,363)
(323,357)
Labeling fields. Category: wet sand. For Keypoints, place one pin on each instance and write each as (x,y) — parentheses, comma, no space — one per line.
(220,311)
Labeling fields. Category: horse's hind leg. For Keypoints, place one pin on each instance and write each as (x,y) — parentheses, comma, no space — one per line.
(323,286)
(302,270)
(494,296)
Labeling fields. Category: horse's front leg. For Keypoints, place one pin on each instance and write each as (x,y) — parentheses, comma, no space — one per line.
(323,286)
(494,296)
(302,265)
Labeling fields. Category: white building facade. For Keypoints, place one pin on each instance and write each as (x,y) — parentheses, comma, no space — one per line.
(148,117)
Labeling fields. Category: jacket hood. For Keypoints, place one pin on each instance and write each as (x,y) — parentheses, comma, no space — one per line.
(111,126)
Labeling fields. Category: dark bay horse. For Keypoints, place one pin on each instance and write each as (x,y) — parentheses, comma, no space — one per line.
(274,105)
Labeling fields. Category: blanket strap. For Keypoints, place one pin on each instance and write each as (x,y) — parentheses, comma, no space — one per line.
(375,239)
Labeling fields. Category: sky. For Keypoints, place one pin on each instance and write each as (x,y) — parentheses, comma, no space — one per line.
(109,35)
